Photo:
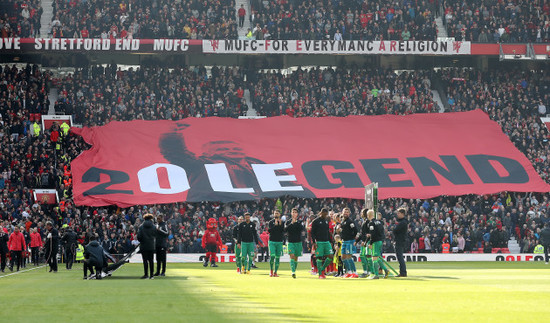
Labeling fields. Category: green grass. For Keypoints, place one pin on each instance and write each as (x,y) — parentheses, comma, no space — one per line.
(480,291)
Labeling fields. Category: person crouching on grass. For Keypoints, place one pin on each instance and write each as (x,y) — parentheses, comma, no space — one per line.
(93,258)
(146,236)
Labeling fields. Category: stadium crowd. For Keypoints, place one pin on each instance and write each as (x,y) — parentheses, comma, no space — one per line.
(20,18)
(31,159)
(341,92)
(98,95)
(490,21)
(344,20)
(188,19)
(483,21)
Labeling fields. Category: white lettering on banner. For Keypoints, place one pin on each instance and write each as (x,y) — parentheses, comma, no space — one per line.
(221,181)
(219,178)
(419,47)
(271,182)
(244,46)
(412,257)
(170,44)
(10,43)
(149,180)
(127,44)
(64,44)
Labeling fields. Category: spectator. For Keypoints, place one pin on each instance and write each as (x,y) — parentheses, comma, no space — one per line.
(242,15)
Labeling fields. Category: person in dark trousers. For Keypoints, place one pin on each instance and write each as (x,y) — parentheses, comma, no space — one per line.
(17,246)
(69,245)
(242,13)
(161,245)
(146,236)
(4,238)
(93,258)
(51,246)
(400,233)
(36,244)
(545,241)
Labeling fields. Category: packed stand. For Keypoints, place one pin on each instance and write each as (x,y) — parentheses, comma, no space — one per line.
(98,95)
(188,19)
(516,103)
(340,92)
(20,18)
(343,20)
(462,224)
(493,21)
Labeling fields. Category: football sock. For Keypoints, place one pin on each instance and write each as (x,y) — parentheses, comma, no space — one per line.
(292,265)
(276,264)
(353,268)
(364,263)
(319,265)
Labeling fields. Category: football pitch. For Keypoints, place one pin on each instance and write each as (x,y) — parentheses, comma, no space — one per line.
(467,291)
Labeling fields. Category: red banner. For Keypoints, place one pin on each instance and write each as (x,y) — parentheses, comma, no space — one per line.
(45,196)
(216,159)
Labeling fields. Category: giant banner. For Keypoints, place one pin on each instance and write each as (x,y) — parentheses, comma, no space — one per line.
(247,46)
(218,159)
(348,47)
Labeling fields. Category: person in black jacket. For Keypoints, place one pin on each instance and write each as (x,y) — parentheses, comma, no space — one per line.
(400,233)
(69,245)
(294,229)
(51,246)
(93,258)
(321,238)
(238,257)
(246,240)
(362,239)
(376,237)
(161,245)
(276,235)
(348,234)
(4,238)
(545,240)
(146,236)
